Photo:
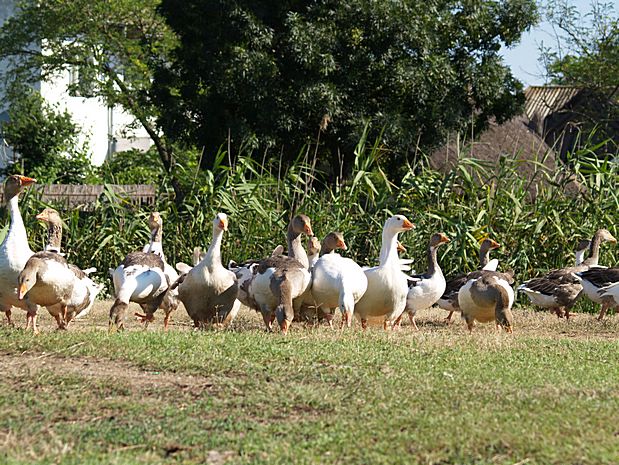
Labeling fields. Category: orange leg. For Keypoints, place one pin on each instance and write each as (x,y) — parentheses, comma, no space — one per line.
(603,311)
(8,317)
(166,320)
(413,322)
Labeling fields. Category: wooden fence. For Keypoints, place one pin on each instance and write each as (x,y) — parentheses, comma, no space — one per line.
(84,197)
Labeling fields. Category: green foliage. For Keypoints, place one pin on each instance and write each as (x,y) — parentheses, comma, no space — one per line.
(271,74)
(46,140)
(133,167)
(587,50)
(586,54)
(113,46)
(472,201)
(437,396)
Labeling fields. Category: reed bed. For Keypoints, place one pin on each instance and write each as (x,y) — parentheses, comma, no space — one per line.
(537,231)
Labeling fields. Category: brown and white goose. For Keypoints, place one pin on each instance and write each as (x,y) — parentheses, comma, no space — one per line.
(170,301)
(279,281)
(601,285)
(563,285)
(385,297)
(559,294)
(15,251)
(209,291)
(449,300)
(141,278)
(487,296)
(424,290)
(337,281)
(73,292)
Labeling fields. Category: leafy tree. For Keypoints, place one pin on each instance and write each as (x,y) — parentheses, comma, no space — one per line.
(47,142)
(586,54)
(114,45)
(286,73)
(587,48)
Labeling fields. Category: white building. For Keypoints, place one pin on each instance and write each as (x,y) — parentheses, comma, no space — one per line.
(106,128)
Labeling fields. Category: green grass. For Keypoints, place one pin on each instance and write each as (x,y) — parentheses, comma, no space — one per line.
(548,394)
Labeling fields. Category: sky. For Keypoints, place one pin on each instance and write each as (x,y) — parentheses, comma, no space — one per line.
(523,59)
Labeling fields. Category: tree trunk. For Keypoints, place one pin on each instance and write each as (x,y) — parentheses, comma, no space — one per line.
(164,151)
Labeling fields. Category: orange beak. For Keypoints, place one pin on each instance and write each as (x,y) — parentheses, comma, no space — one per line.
(41,217)
(401,248)
(494,244)
(342,245)
(308,230)
(26,181)
(223,225)
(22,291)
(407,225)
(285,326)
(444,239)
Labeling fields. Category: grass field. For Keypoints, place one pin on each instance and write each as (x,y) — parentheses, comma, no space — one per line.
(548,394)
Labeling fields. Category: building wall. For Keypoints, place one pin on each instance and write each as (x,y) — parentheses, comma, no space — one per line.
(104,127)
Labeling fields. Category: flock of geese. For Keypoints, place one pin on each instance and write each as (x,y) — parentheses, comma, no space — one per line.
(301,285)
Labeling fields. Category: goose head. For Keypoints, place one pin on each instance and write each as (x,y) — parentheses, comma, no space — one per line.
(437,240)
(605,235)
(27,278)
(15,183)
(397,224)
(54,229)
(301,224)
(154,221)
(313,245)
(49,215)
(488,244)
(333,241)
(220,223)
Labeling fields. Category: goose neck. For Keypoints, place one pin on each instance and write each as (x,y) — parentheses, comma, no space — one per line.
(594,251)
(295,248)
(389,249)
(484,257)
(213,255)
(17,227)
(54,236)
(432,261)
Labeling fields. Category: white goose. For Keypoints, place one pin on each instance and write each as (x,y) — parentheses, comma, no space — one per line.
(424,290)
(337,282)
(15,252)
(209,291)
(279,282)
(385,296)
(170,301)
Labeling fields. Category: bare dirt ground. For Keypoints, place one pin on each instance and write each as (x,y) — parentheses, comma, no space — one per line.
(528,324)
(29,365)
